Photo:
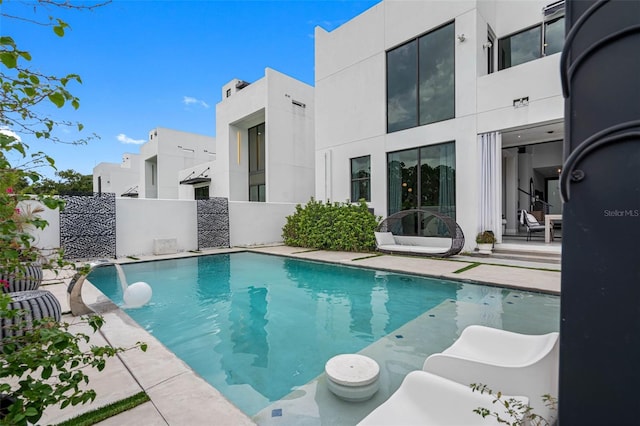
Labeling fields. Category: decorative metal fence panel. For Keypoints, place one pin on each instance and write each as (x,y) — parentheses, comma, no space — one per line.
(213,223)
(88,226)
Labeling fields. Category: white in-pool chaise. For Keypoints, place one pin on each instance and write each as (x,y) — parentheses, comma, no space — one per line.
(427,399)
(512,363)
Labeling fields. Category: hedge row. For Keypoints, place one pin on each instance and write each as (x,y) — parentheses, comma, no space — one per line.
(331,226)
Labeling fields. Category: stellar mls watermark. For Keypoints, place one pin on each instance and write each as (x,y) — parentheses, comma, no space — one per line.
(622,213)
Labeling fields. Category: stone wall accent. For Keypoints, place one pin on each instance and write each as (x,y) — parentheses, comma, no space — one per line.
(88,226)
(213,223)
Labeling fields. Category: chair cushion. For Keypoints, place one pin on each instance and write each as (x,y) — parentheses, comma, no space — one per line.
(384,238)
(532,219)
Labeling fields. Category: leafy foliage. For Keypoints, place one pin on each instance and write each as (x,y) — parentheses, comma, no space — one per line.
(42,363)
(485,237)
(24,89)
(70,182)
(18,218)
(331,226)
(519,413)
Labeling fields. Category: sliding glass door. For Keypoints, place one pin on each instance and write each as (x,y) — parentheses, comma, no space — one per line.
(423,178)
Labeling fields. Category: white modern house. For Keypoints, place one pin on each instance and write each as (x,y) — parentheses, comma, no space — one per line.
(121,179)
(154,172)
(451,106)
(263,151)
(165,154)
(260,165)
(265,140)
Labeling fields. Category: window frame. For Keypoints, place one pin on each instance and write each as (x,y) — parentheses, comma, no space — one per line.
(416,40)
(259,157)
(545,24)
(417,196)
(198,192)
(547,20)
(354,180)
(491,49)
(538,26)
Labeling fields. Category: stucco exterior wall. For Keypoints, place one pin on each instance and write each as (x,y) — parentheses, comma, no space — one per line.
(289,141)
(140,221)
(172,151)
(245,230)
(351,94)
(117,178)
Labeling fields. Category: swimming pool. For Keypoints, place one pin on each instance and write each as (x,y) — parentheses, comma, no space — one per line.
(259,327)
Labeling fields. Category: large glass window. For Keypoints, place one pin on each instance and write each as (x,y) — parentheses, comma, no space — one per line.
(519,48)
(554,36)
(421,80)
(436,73)
(361,178)
(535,42)
(402,72)
(257,187)
(423,178)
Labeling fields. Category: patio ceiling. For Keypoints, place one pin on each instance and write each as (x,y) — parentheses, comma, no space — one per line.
(533,134)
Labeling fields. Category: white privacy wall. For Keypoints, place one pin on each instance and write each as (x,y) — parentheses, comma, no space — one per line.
(49,237)
(257,223)
(140,221)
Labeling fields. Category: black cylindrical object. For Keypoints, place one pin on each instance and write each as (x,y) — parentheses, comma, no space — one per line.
(600,184)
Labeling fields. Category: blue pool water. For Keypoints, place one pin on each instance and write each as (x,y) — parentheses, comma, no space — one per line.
(257,326)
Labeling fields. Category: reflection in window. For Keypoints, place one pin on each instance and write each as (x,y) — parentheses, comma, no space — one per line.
(361,178)
(553,36)
(402,69)
(423,178)
(437,75)
(421,80)
(519,48)
(527,45)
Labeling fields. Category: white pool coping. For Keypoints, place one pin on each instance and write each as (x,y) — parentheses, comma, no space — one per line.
(178,395)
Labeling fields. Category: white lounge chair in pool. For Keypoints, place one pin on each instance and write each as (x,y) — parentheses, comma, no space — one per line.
(426,399)
(511,363)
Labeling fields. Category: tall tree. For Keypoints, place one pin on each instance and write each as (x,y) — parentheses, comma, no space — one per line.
(70,182)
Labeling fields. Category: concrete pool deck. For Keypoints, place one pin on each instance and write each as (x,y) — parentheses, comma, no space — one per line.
(181,397)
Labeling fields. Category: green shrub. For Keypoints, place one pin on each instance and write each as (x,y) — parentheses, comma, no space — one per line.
(331,226)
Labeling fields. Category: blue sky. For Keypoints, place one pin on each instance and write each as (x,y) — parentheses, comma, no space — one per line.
(147,64)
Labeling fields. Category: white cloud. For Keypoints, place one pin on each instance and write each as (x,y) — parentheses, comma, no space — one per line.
(126,139)
(8,132)
(188,100)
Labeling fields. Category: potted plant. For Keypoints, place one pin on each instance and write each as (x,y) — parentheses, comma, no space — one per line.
(42,362)
(485,241)
(21,265)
